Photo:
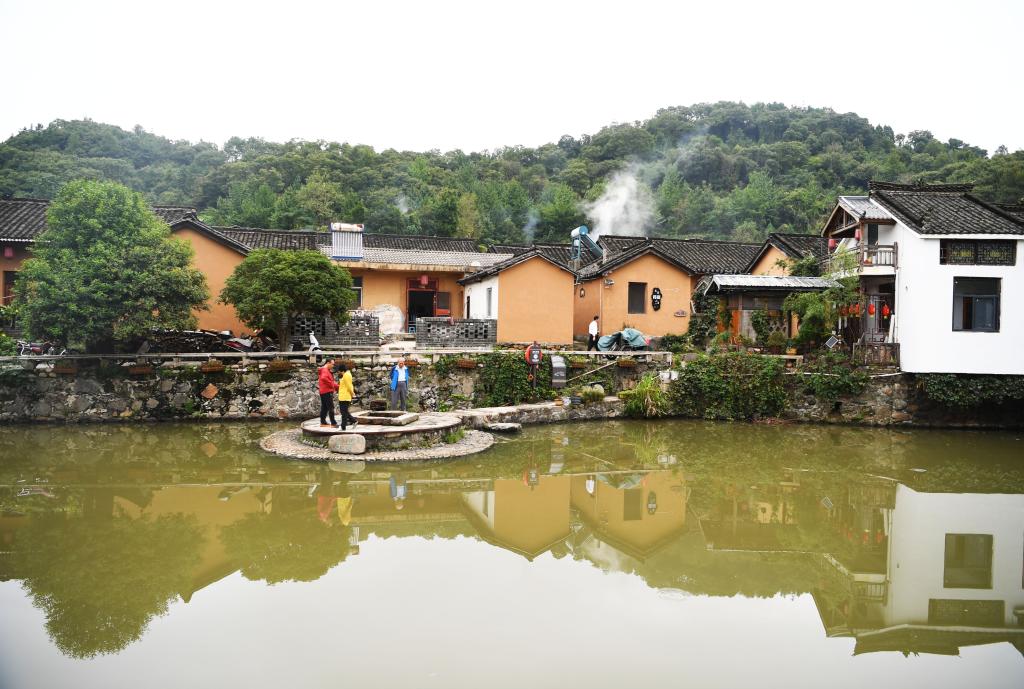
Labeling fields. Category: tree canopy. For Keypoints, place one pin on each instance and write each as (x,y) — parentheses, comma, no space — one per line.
(105,269)
(272,285)
(714,170)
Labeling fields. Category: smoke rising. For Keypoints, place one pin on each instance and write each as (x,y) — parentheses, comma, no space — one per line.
(625,207)
(402,204)
(531,222)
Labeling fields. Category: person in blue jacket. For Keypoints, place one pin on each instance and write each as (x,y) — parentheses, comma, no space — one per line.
(399,385)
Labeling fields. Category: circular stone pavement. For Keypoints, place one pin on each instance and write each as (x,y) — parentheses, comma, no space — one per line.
(289,443)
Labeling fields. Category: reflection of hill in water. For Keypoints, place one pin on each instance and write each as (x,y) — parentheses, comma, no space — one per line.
(702,508)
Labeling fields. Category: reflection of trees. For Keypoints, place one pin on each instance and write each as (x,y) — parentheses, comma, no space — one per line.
(292,547)
(99,582)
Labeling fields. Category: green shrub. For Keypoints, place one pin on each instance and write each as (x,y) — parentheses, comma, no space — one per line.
(761,322)
(647,400)
(677,344)
(704,319)
(8,347)
(777,339)
(591,394)
(962,390)
(833,375)
(733,385)
(504,380)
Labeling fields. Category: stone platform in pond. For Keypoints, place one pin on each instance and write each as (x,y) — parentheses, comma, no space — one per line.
(387,430)
(291,443)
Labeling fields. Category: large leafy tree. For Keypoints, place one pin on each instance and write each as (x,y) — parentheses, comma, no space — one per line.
(272,286)
(107,269)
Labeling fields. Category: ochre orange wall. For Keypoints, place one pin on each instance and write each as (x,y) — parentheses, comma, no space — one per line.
(13,264)
(216,262)
(606,507)
(391,287)
(531,519)
(676,288)
(535,302)
(586,307)
(768,264)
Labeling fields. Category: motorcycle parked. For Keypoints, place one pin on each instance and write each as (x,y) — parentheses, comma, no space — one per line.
(40,349)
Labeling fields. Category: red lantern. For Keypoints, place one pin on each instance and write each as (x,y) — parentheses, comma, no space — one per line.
(885,311)
(842,311)
(8,252)
(856,309)
(871,309)
(424,280)
(831,243)
(856,234)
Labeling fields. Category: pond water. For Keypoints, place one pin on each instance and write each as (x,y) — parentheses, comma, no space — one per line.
(613,554)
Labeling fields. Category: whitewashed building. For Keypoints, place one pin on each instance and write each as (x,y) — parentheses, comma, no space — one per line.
(941,276)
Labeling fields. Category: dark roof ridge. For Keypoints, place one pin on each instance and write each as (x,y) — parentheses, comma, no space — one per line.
(899,209)
(920,187)
(264,229)
(28,199)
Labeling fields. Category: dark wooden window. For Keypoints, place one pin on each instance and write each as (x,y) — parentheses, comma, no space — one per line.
(974,252)
(872,234)
(637,297)
(976,304)
(969,613)
(357,287)
(968,562)
(444,304)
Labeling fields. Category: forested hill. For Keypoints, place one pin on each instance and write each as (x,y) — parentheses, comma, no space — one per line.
(725,170)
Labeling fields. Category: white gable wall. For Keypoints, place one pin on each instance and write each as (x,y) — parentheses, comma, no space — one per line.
(924,311)
(477,293)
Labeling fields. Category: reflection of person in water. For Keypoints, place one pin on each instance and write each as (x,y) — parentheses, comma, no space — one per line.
(591,485)
(398,491)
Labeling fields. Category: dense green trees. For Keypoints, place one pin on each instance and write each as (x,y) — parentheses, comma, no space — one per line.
(720,170)
(106,269)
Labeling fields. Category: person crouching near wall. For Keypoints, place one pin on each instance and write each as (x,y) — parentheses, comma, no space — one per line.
(346,391)
(327,387)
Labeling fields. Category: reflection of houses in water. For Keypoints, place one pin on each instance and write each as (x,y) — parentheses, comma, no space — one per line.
(528,516)
(214,507)
(953,575)
(634,513)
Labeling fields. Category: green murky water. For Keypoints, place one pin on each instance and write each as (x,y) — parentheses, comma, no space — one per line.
(618,554)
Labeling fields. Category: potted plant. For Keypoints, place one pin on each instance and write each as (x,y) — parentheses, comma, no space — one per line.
(279,365)
(412,363)
(212,366)
(625,362)
(467,364)
(776,342)
(65,368)
(140,370)
(790,347)
(577,362)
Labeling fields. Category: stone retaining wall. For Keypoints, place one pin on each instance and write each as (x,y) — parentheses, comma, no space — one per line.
(183,391)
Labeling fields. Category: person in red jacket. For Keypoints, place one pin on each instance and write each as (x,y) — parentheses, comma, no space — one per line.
(328,387)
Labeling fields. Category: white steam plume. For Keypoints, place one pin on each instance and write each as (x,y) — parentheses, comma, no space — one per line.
(531,222)
(625,207)
(402,204)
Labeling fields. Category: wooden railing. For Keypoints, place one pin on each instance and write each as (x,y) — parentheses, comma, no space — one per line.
(877,255)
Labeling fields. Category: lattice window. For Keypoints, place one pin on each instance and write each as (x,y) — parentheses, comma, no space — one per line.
(970,252)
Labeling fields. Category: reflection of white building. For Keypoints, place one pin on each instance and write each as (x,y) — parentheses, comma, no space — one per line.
(954,576)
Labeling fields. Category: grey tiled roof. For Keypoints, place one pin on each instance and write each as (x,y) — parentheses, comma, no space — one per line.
(22,220)
(861,206)
(418,243)
(788,283)
(255,238)
(514,249)
(944,209)
(696,256)
(1014,209)
(800,245)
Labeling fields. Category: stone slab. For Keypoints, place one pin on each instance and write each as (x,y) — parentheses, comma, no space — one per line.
(289,444)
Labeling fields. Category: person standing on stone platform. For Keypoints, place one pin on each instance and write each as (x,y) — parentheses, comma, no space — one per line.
(327,387)
(399,385)
(346,391)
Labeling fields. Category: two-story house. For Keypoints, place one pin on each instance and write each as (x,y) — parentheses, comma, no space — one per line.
(943,287)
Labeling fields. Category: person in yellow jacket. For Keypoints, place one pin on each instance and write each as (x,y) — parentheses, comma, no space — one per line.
(346,391)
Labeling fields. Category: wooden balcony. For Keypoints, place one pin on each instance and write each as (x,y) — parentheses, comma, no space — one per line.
(877,256)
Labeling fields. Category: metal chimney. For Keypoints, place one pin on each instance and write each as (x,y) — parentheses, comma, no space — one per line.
(346,241)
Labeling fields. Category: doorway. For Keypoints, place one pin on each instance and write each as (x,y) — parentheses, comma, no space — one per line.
(421,305)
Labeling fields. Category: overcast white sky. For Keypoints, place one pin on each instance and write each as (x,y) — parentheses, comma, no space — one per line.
(479,75)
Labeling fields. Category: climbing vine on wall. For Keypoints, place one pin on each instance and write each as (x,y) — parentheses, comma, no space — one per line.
(504,380)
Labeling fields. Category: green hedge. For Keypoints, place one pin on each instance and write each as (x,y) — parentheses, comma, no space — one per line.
(961,390)
(729,386)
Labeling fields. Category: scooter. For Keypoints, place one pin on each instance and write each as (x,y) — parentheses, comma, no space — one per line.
(256,343)
(39,349)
